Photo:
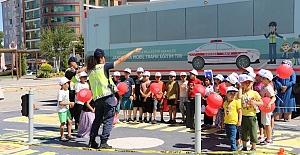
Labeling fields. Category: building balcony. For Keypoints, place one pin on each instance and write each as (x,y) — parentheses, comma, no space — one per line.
(28,27)
(32,7)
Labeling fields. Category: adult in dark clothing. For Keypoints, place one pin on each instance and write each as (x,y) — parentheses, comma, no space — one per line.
(70,74)
(103,90)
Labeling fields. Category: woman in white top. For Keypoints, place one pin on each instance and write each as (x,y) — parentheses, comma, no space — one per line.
(208,121)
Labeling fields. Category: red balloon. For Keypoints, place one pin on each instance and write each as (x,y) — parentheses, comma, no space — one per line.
(122,88)
(266,101)
(199,89)
(155,88)
(84,95)
(209,111)
(215,101)
(284,71)
(222,88)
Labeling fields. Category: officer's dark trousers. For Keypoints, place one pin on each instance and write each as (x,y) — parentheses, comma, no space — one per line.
(104,112)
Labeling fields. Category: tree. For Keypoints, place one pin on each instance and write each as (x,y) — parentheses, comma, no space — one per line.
(55,42)
(1,38)
(23,62)
(80,44)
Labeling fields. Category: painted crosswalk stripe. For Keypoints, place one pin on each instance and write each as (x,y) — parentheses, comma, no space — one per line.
(153,127)
(210,131)
(140,125)
(186,130)
(274,147)
(173,128)
(26,152)
(48,153)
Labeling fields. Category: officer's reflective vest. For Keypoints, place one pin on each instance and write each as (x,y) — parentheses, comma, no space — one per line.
(273,38)
(73,81)
(99,83)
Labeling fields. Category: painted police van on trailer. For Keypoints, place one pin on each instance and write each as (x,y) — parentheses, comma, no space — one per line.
(179,35)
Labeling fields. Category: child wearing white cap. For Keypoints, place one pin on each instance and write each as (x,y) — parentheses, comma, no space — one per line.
(172,90)
(219,118)
(128,96)
(158,99)
(250,99)
(116,80)
(146,97)
(232,116)
(78,104)
(137,97)
(266,118)
(257,86)
(183,95)
(63,105)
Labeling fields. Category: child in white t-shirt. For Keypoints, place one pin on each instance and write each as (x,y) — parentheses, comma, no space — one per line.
(78,104)
(267,91)
(63,105)
(183,85)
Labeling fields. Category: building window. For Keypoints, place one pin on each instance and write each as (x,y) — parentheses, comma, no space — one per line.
(92,2)
(33,35)
(33,25)
(36,14)
(10,21)
(62,19)
(58,8)
(27,15)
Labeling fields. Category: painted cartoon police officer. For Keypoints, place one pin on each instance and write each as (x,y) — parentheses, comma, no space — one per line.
(272,41)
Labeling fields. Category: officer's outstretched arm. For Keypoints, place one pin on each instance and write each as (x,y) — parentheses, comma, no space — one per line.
(126,56)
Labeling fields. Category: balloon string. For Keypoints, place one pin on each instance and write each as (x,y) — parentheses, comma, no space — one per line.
(279,98)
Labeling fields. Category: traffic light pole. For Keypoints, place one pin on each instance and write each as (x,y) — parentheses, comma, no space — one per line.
(198,124)
(30,117)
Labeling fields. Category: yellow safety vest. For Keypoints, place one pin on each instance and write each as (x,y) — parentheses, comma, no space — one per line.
(273,38)
(99,83)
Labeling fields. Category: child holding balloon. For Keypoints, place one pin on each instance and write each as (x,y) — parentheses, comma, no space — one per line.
(219,88)
(208,121)
(78,104)
(250,99)
(267,91)
(63,106)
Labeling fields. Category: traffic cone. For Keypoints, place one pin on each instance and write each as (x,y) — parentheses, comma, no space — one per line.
(281,151)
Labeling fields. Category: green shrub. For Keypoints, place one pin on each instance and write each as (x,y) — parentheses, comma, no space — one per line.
(46,67)
(42,74)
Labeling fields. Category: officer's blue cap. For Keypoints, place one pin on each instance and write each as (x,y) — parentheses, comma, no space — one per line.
(99,53)
(72,59)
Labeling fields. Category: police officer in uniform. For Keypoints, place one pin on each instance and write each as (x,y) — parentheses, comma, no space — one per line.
(70,74)
(103,90)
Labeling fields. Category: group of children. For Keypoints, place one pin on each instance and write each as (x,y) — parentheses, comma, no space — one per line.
(83,112)
(239,114)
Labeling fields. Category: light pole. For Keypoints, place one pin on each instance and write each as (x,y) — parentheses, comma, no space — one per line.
(72,42)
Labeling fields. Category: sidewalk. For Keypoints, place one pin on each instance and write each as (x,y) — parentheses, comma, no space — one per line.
(27,82)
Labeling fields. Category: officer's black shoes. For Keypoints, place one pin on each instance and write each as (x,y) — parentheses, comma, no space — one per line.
(93,144)
(104,145)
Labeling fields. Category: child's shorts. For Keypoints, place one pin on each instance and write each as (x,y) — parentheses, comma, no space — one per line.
(126,103)
(238,133)
(266,118)
(64,116)
(249,126)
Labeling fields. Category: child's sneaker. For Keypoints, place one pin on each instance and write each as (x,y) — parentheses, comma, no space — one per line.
(261,139)
(239,147)
(268,142)
(248,143)
(244,149)
(124,121)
